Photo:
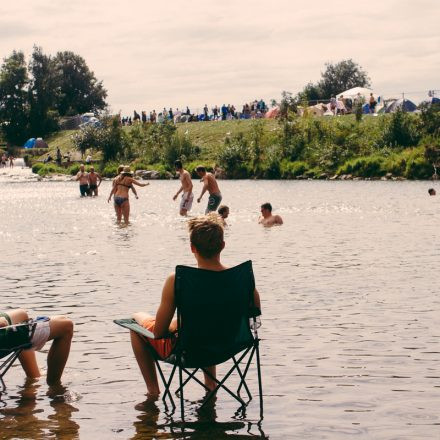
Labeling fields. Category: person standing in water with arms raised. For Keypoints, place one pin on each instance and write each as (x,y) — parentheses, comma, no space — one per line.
(210,185)
(123,183)
(186,187)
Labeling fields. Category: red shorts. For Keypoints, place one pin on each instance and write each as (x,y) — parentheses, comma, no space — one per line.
(163,346)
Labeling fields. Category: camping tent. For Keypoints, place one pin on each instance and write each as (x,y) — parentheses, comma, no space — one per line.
(402,104)
(272,113)
(353,93)
(29,143)
(40,143)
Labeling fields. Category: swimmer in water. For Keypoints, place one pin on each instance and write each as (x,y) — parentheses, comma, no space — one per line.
(186,189)
(223,212)
(267,218)
(210,185)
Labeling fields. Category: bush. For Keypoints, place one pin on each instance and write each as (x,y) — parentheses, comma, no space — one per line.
(234,157)
(418,168)
(37,167)
(401,130)
(110,170)
(49,168)
(290,170)
(370,166)
(73,169)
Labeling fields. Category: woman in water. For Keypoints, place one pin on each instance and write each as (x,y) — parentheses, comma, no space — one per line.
(121,185)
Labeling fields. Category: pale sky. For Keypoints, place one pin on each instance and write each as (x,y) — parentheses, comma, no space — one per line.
(176,53)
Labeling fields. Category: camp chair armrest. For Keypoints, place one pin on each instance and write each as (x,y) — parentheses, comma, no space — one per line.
(131,324)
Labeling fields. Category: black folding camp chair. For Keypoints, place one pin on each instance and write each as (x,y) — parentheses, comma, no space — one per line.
(215,311)
(13,340)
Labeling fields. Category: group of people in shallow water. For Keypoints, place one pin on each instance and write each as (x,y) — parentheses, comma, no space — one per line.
(5,159)
(124,182)
(88,181)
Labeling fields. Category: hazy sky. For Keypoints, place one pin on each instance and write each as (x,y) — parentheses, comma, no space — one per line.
(178,53)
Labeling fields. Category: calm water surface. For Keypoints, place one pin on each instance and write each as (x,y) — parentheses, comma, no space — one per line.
(350,297)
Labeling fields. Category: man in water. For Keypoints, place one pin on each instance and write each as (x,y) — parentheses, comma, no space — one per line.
(210,185)
(93,182)
(267,218)
(431,192)
(83,178)
(186,187)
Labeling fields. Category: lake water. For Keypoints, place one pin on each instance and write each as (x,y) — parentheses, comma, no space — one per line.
(350,296)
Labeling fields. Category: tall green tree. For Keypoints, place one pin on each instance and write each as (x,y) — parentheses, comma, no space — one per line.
(342,76)
(80,91)
(14,108)
(336,78)
(43,93)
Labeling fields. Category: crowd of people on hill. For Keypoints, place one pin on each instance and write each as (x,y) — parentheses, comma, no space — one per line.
(253,110)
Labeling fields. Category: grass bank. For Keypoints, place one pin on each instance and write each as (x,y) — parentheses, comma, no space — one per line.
(293,148)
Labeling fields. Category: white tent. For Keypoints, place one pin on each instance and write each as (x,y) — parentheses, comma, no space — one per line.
(352,93)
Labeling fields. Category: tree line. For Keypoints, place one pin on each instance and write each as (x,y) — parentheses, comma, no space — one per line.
(34,95)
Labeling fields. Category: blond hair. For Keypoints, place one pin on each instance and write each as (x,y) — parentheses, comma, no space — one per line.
(206,235)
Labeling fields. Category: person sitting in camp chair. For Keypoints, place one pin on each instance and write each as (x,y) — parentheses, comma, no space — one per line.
(206,239)
(57,328)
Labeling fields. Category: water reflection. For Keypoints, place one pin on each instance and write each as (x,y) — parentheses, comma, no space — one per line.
(205,424)
(29,420)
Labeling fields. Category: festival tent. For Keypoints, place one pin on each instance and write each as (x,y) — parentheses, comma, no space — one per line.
(29,143)
(402,104)
(316,110)
(353,93)
(272,113)
(40,143)
(431,100)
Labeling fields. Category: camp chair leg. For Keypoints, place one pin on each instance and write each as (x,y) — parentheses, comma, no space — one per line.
(6,365)
(190,376)
(243,375)
(220,384)
(182,411)
(167,384)
(260,386)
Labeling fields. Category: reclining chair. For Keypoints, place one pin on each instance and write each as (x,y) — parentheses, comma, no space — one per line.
(13,340)
(215,311)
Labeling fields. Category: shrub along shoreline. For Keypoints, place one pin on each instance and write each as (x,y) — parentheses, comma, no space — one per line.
(399,145)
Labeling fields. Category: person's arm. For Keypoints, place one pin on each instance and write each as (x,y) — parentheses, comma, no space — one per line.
(257,301)
(99,178)
(135,182)
(166,310)
(134,192)
(205,187)
(111,193)
(3,322)
(78,176)
(178,192)
(278,220)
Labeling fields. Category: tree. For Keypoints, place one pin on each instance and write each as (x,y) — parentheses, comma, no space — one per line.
(80,91)
(335,79)
(342,76)
(14,109)
(43,93)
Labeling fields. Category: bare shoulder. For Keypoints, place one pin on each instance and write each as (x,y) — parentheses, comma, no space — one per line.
(278,220)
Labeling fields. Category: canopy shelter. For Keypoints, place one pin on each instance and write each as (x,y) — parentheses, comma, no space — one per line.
(402,104)
(356,91)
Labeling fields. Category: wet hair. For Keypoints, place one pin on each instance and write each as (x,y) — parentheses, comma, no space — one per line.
(267,206)
(206,235)
(201,169)
(431,191)
(222,209)
(178,164)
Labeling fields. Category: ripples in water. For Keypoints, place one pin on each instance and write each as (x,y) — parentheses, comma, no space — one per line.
(350,301)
